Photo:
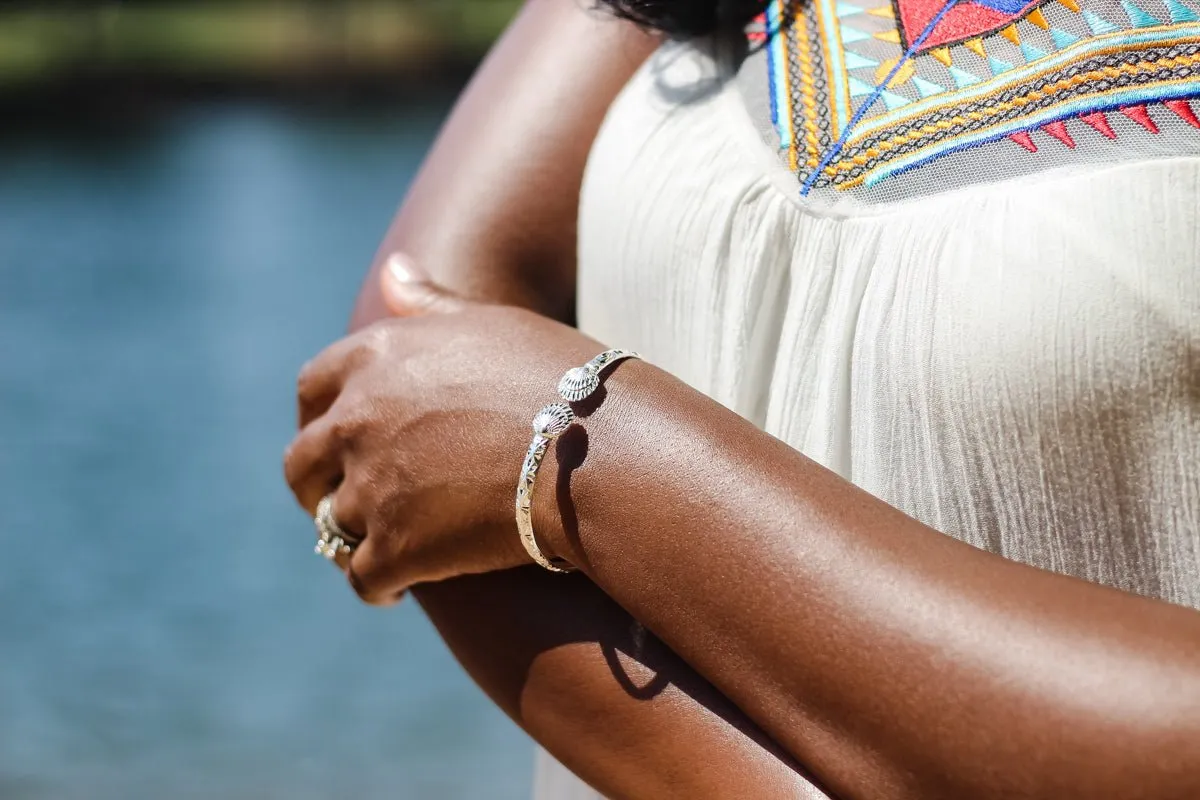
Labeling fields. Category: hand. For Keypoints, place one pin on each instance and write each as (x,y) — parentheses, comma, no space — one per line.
(419,424)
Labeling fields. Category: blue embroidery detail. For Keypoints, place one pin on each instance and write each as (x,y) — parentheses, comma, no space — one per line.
(832,152)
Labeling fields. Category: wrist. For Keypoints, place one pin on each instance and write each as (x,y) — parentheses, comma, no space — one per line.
(585,459)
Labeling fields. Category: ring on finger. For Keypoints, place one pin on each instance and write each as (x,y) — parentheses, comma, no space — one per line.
(332,540)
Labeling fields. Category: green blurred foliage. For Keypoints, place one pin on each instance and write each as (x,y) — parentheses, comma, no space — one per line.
(244,38)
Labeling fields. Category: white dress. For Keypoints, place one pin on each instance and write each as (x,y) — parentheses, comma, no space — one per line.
(1016,364)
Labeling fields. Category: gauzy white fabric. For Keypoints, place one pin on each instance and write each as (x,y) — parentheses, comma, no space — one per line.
(1015,364)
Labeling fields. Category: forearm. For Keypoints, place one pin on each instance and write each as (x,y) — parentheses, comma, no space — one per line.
(606,698)
(586,680)
(600,693)
(891,660)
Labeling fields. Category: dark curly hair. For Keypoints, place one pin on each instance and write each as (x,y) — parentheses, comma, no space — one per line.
(687,17)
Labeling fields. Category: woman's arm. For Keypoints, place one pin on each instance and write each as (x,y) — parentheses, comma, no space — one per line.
(492,214)
(888,658)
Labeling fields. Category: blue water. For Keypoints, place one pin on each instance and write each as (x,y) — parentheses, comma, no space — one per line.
(165,629)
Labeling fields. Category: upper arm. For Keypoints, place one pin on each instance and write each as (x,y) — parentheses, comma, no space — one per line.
(492,211)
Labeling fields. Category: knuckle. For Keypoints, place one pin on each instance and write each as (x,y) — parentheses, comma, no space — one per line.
(291,466)
(376,342)
(349,505)
(306,383)
(346,428)
(367,593)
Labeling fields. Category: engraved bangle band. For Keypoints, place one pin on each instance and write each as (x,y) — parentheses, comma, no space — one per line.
(550,423)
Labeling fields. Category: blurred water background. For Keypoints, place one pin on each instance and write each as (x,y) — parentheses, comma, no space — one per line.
(165,629)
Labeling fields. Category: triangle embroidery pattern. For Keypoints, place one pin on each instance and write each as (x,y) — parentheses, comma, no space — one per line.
(851,35)
(855,61)
(860,88)
(926,88)
(1137,16)
(1031,53)
(1183,110)
(1025,140)
(1180,12)
(962,20)
(866,90)
(1099,25)
(962,79)
(1059,131)
(1062,39)
(1098,121)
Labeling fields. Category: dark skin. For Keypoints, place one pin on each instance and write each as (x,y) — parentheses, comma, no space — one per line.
(558,654)
(887,658)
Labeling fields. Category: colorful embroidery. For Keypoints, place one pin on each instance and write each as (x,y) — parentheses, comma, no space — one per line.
(862,90)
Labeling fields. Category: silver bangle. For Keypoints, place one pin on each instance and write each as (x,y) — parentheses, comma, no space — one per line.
(549,424)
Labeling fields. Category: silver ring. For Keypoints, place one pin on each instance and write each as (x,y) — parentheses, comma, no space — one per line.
(332,541)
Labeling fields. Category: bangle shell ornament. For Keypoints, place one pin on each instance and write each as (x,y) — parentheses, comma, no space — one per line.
(548,424)
(580,382)
(553,420)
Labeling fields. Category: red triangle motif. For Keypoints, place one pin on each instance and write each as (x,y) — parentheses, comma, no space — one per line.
(959,21)
(1139,115)
(1025,140)
(1183,111)
(1100,122)
(1059,131)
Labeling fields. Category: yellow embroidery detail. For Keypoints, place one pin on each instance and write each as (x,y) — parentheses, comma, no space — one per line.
(942,54)
(902,75)
(808,95)
(787,92)
(845,165)
(976,47)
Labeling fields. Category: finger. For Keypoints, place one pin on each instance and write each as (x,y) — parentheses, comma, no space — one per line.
(408,291)
(349,503)
(312,463)
(322,378)
(376,572)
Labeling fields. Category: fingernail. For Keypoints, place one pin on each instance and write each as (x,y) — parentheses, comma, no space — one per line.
(403,269)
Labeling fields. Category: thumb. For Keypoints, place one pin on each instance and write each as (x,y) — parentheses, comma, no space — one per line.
(409,291)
